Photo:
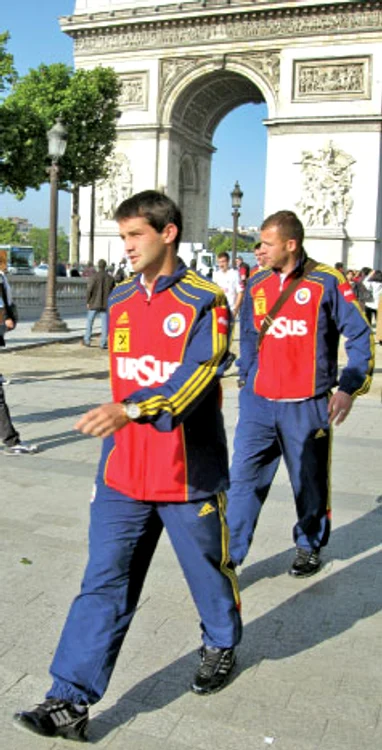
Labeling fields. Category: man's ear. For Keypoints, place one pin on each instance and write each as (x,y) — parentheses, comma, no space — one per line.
(291,246)
(170,233)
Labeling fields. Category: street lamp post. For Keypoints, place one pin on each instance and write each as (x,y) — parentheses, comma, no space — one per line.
(50,320)
(236,197)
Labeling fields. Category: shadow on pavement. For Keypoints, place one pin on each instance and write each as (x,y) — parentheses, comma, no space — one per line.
(327,608)
(60,413)
(345,542)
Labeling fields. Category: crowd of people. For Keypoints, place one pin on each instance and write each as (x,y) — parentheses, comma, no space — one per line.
(164,459)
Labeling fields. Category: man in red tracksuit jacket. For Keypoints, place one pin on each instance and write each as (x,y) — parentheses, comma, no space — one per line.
(286,402)
(163,463)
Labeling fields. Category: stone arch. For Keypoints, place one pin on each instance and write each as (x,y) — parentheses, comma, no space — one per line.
(190,80)
(195,96)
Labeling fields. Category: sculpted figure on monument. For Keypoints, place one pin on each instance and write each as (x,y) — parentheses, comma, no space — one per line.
(327,177)
(118,187)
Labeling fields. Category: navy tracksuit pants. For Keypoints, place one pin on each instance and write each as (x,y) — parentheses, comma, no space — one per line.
(122,539)
(266,430)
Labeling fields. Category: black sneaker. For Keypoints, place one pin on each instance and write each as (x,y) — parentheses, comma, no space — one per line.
(214,670)
(306,563)
(55,718)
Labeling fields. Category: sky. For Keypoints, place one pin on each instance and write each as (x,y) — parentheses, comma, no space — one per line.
(240,139)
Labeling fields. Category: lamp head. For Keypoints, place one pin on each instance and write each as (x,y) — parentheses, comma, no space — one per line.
(236,196)
(57,139)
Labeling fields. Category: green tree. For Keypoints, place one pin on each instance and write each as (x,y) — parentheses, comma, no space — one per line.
(8,74)
(8,232)
(87,101)
(220,243)
(39,239)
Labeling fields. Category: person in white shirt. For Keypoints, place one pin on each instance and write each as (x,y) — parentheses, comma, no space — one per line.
(228,279)
(373,284)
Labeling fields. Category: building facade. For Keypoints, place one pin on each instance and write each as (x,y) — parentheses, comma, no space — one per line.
(184,66)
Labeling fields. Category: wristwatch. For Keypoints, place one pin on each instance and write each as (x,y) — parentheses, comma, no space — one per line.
(132,410)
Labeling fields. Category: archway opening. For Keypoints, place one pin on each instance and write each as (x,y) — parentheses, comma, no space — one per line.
(220,139)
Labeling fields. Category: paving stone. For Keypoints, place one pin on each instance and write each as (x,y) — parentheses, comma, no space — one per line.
(308,675)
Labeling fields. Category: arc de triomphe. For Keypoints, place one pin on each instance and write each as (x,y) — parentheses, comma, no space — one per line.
(184,66)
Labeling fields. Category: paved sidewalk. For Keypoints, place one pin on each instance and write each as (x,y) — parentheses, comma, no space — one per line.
(23,337)
(308,674)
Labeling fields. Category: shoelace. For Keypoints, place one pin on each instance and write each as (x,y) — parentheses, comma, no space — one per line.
(214,662)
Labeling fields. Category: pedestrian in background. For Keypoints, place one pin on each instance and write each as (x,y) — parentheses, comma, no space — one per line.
(99,287)
(8,433)
(243,270)
(229,281)
(291,320)
(373,284)
(163,464)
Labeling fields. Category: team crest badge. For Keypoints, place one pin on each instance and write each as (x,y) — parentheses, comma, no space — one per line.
(174,325)
(303,296)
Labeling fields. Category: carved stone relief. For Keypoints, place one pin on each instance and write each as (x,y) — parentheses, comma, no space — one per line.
(266,63)
(119,186)
(332,79)
(241,26)
(134,91)
(326,192)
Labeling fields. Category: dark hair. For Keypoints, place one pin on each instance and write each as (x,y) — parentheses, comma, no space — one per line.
(157,208)
(288,225)
(377,276)
(223,254)
(102,264)
(339,265)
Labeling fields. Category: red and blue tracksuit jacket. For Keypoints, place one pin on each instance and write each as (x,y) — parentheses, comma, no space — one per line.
(298,356)
(167,353)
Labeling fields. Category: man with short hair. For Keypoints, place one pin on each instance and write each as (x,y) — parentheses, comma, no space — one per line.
(97,293)
(228,279)
(287,406)
(163,464)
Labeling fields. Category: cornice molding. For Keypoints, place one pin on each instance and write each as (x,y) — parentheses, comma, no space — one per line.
(196,23)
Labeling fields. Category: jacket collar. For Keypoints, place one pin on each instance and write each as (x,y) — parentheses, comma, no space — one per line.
(164,282)
(299,266)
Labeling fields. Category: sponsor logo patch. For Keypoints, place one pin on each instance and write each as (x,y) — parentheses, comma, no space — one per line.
(174,325)
(121,340)
(347,292)
(260,302)
(283,327)
(221,315)
(320,433)
(146,370)
(206,509)
(123,319)
(303,296)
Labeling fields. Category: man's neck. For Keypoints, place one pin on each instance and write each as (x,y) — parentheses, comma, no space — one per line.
(167,268)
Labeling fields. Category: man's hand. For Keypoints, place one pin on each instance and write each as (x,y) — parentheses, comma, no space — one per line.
(9,323)
(103,421)
(339,407)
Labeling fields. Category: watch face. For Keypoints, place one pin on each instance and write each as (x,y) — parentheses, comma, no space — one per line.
(133,411)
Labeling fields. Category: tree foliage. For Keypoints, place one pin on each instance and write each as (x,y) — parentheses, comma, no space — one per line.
(8,74)
(39,239)
(8,232)
(220,243)
(86,100)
